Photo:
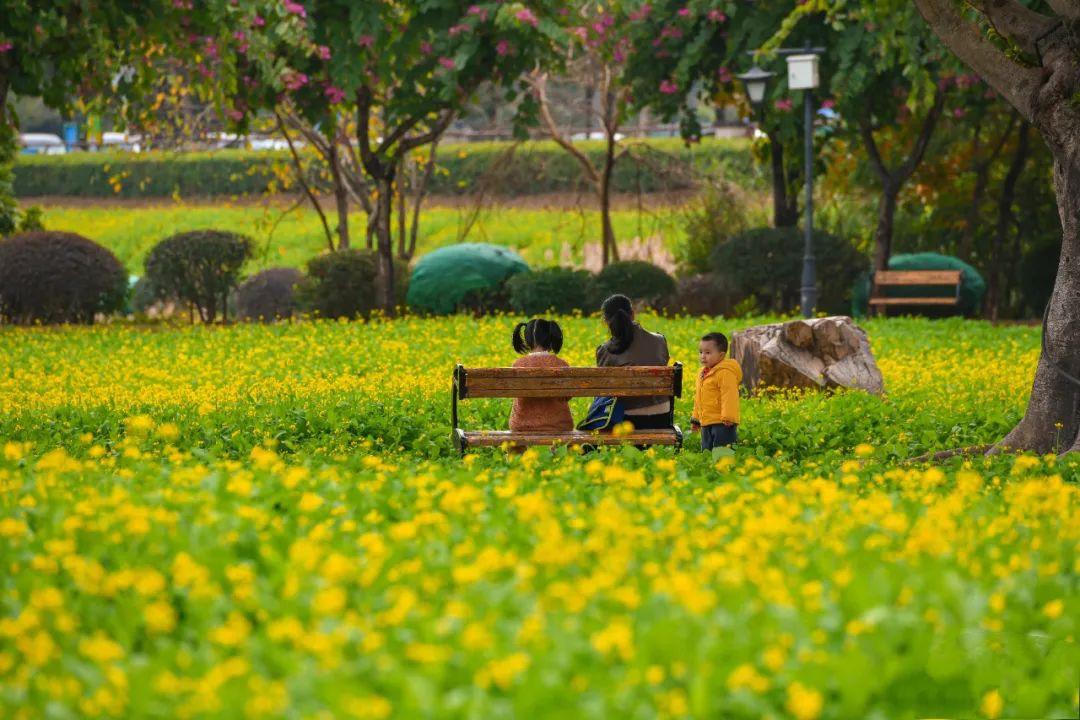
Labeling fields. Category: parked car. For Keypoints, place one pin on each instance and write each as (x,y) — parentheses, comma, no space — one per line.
(41,144)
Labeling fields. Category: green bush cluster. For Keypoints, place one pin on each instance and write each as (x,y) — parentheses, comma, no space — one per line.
(200,268)
(58,277)
(563,290)
(496,168)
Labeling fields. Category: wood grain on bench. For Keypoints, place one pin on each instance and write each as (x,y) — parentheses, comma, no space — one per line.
(917,277)
(495,438)
(566,382)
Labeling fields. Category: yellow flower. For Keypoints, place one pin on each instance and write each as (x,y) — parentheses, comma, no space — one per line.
(803,702)
(427,654)
(232,632)
(168,431)
(746,677)
(139,425)
(615,640)
(100,648)
(160,618)
(310,502)
(992,705)
(864,450)
(1053,609)
(329,601)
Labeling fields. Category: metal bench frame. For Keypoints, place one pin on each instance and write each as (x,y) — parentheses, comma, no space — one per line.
(637,381)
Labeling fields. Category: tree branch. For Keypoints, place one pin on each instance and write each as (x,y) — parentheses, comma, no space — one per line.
(431,135)
(1016,83)
(539,83)
(1068,9)
(925,133)
(1016,22)
(303,182)
(363,130)
(866,131)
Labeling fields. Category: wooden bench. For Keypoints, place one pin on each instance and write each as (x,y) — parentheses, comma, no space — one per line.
(911,278)
(565,383)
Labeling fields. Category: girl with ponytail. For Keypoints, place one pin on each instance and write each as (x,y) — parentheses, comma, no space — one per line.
(629,344)
(538,341)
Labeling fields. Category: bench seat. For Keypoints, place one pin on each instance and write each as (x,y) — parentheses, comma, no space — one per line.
(912,301)
(496,438)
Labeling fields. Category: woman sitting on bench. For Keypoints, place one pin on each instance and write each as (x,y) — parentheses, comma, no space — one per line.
(538,341)
(631,344)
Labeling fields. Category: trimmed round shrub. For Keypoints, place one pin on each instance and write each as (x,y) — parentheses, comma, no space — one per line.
(268,295)
(58,277)
(341,284)
(705,294)
(561,290)
(200,268)
(637,279)
(766,263)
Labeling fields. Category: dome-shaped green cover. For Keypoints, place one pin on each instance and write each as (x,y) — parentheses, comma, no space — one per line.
(972,286)
(441,279)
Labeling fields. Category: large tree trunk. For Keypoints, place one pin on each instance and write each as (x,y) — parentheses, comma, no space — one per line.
(1044,92)
(1052,420)
(995,296)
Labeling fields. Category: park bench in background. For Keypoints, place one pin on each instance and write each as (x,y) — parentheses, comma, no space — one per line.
(911,279)
(565,383)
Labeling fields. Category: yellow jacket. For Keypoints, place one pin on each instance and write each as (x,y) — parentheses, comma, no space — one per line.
(716,398)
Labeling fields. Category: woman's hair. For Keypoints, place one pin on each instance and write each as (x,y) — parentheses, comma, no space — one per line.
(618,313)
(537,333)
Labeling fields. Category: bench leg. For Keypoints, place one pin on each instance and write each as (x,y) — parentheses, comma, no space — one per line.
(459,441)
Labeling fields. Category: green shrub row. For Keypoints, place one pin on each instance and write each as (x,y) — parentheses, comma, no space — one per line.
(531,168)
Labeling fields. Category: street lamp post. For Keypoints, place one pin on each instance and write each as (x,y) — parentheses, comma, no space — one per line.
(802,75)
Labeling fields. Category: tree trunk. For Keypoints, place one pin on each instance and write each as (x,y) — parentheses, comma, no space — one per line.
(1052,420)
(1005,213)
(383,232)
(610,252)
(883,233)
(341,196)
(785,204)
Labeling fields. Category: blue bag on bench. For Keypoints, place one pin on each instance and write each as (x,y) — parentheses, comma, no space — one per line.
(604,414)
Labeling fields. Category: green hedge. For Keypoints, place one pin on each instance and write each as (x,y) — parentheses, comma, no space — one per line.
(534,167)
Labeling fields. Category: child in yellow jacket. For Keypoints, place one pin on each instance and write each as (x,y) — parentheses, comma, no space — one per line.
(716,400)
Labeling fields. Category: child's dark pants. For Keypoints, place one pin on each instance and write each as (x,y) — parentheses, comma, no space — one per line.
(719,435)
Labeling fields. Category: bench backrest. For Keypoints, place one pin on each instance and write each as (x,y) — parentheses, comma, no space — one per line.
(567,382)
(917,277)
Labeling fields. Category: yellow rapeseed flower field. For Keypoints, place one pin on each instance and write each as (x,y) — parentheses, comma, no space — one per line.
(269,521)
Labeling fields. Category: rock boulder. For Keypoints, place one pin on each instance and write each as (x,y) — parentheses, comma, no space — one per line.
(826,352)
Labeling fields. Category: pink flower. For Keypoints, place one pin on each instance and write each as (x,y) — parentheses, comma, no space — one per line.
(295,80)
(959,112)
(426,48)
(724,75)
(458,29)
(258,21)
(502,48)
(828,104)
(784,105)
(295,8)
(323,52)
(334,94)
(685,12)
(668,87)
(478,11)
(641,14)
(366,41)
(526,16)
(716,16)
(5,46)
(235,115)
(446,62)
